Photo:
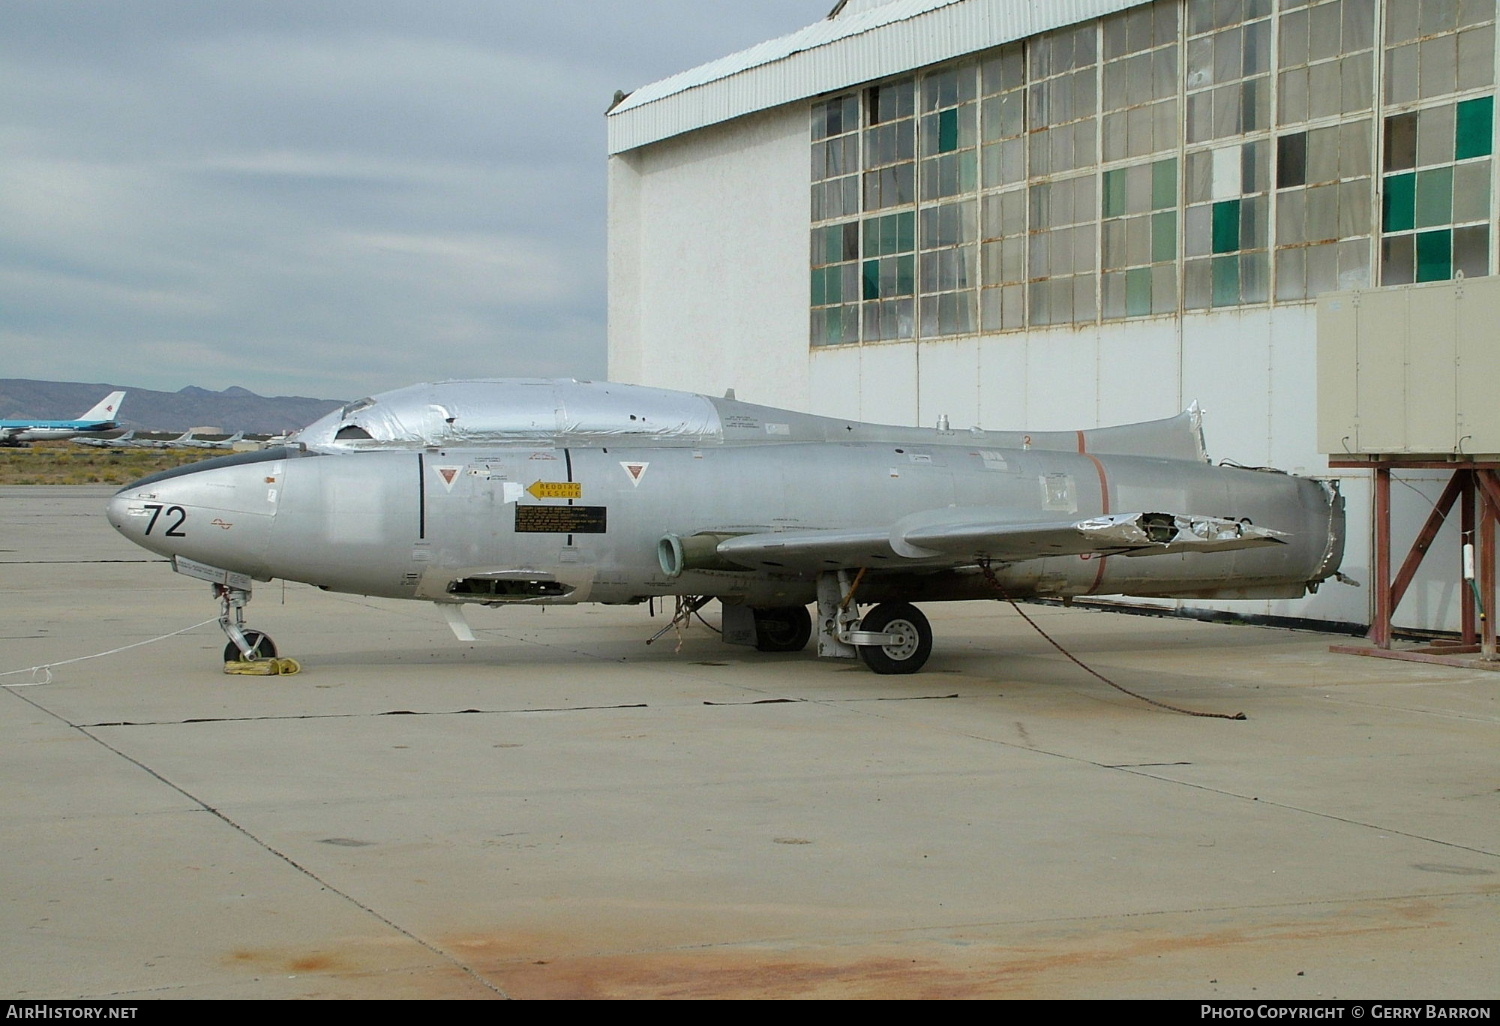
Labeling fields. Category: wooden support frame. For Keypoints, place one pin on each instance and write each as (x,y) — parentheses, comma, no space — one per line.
(1474,488)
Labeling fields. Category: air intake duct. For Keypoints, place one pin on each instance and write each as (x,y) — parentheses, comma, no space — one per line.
(695,552)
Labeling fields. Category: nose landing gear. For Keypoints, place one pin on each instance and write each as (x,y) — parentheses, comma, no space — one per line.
(249,651)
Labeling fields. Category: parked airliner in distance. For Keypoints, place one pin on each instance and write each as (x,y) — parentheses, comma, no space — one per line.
(101,418)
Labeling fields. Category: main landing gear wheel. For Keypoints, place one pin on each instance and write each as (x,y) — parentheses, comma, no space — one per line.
(261,647)
(782,629)
(905,656)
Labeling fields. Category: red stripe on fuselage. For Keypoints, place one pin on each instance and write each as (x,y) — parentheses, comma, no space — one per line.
(1103,509)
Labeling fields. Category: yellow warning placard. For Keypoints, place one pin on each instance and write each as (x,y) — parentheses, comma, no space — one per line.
(556,489)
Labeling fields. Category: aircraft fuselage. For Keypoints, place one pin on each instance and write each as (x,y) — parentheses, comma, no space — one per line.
(545,492)
(584,523)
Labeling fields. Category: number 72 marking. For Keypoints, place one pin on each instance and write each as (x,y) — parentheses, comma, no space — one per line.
(172,530)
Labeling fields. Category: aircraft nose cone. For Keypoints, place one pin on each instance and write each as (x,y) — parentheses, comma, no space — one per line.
(152,517)
(115,511)
(217,512)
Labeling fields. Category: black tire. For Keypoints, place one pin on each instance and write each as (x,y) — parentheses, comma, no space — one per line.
(261,647)
(916,633)
(782,629)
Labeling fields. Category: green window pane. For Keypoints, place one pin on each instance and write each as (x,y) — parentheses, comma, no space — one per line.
(906,275)
(948,131)
(872,237)
(890,234)
(872,279)
(1164,236)
(1434,197)
(1226,230)
(1164,184)
(1435,256)
(817,287)
(833,244)
(1226,281)
(1474,131)
(1399,208)
(1137,291)
(906,232)
(968,171)
(1114,193)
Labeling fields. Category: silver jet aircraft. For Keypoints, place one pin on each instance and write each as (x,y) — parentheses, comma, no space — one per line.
(511,492)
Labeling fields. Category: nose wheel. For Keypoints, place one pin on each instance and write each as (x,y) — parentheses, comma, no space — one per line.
(260,647)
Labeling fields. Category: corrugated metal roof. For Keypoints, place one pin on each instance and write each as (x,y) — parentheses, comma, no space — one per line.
(834,54)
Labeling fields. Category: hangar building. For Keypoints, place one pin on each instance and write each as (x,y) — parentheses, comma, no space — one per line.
(1056,215)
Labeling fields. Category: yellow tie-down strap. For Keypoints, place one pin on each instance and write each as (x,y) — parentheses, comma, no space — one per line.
(280,667)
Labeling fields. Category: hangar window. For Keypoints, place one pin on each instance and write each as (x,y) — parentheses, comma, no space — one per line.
(835,159)
(1062,100)
(1228,62)
(1140,82)
(888,276)
(1323,182)
(1323,209)
(1003,256)
(1139,239)
(835,284)
(834,258)
(949,134)
(948,274)
(1326,65)
(1436,205)
(1003,117)
(1437,47)
(1177,155)
(890,145)
(1062,110)
(1437,165)
(1061,250)
(1002,86)
(949,146)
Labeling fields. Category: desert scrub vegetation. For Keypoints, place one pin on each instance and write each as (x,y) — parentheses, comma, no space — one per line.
(61,463)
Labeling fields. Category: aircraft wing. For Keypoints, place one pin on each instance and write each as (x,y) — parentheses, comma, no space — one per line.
(953,537)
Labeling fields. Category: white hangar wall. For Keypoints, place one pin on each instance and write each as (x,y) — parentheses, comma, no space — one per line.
(716,215)
(708,260)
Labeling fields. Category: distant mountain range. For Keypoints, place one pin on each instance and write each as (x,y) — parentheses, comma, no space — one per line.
(234,409)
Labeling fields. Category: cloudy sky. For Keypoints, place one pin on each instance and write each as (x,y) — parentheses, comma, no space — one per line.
(321,197)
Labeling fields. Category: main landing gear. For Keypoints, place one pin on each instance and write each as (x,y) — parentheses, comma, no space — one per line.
(894,637)
(907,638)
(783,629)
